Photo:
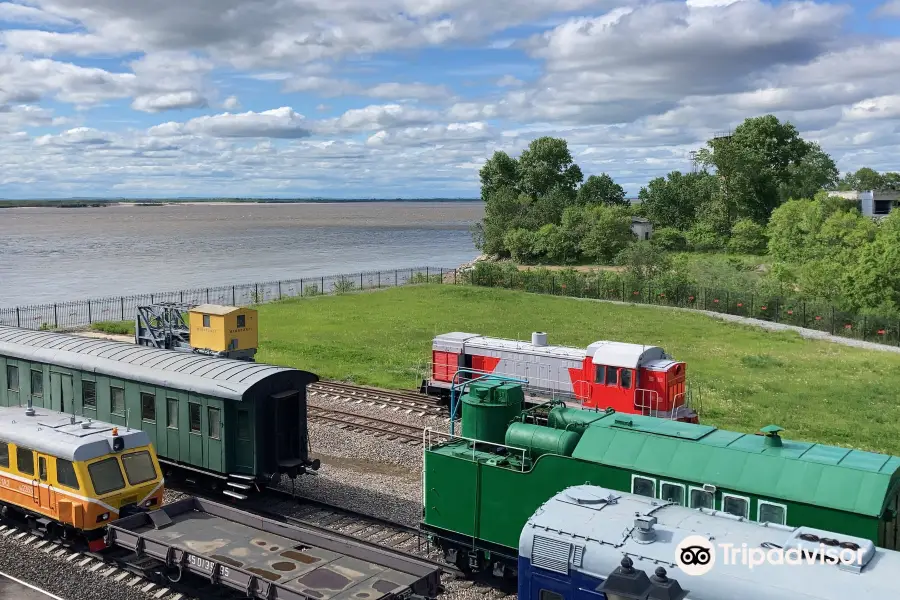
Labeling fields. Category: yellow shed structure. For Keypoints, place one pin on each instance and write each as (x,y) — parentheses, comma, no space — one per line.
(224,330)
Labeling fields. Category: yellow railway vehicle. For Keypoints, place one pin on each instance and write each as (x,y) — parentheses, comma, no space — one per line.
(72,476)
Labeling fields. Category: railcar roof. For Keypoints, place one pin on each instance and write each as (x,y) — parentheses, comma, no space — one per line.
(54,433)
(493,343)
(601,521)
(215,309)
(850,480)
(218,377)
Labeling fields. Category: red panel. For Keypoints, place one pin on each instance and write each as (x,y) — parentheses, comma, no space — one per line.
(444,365)
(581,385)
(486,364)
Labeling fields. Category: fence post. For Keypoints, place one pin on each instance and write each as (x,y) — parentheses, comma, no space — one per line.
(181,296)
(360,281)
(323,285)
(395,277)
(865,322)
(90,318)
(379,280)
(207,295)
(426,275)
(804,314)
(18,318)
(301,287)
(233,297)
(454,276)
(122,300)
(832,319)
(279,289)
(56,317)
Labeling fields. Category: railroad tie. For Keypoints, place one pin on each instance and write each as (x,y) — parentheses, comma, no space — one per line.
(161,592)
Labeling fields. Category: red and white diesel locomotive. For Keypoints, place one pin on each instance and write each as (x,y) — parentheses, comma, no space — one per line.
(628,378)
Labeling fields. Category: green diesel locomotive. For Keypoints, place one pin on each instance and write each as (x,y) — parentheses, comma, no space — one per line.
(480,488)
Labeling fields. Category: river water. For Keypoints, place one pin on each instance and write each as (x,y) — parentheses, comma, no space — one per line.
(58,254)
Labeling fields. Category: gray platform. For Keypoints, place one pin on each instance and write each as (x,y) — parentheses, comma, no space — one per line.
(270,559)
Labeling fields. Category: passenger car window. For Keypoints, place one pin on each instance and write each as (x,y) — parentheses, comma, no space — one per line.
(25,460)
(65,474)
(148,407)
(106,476)
(194,416)
(611,374)
(642,486)
(37,383)
(599,374)
(172,413)
(702,499)
(212,418)
(117,401)
(735,505)
(12,378)
(625,376)
(772,513)
(139,467)
(88,394)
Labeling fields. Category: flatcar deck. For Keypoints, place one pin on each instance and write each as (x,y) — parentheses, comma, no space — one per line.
(269,559)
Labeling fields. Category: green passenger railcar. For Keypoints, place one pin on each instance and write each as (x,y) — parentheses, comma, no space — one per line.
(230,422)
(478,496)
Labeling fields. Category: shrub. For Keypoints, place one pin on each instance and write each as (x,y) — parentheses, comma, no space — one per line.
(747,237)
(669,238)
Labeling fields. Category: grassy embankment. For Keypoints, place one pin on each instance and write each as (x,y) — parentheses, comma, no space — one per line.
(817,391)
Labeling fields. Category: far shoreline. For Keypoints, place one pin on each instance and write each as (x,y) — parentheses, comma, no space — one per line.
(13,204)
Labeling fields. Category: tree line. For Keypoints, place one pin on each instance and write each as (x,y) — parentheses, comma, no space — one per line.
(763,189)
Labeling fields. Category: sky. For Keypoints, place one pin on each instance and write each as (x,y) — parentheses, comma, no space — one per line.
(408,98)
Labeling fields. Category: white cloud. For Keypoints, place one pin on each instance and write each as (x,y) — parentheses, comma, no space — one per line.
(154,103)
(278,123)
(231,103)
(891,8)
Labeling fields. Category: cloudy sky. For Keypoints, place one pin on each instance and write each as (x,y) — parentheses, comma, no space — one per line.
(406,98)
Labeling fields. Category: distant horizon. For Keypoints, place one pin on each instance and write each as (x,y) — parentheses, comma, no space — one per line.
(270,199)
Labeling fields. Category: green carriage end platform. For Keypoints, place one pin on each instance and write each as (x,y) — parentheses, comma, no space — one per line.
(478,493)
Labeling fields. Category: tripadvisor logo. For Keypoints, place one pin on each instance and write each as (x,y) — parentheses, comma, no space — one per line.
(696,555)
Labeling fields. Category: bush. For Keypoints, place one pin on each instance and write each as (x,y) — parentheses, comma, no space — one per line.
(703,237)
(747,237)
(670,239)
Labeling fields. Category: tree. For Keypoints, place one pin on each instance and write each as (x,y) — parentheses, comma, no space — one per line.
(873,282)
(499,171)
(747,237)
(644,260)
(762,163)
(703,237)
(678,199)
(815,171)
(669,238)
(609,232)
(547,164)
(601,190)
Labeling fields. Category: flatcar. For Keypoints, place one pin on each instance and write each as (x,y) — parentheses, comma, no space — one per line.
(630,378)
(480,488)
(588,542)
(230,425)
(71,476)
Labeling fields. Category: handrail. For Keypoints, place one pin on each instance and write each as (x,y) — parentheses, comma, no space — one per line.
(484,375)
(426,442)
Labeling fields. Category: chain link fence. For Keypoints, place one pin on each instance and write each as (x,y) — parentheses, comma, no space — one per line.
(800,312)
(83,313)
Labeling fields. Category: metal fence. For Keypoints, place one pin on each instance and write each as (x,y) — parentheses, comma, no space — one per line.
(800,312)
(83,313)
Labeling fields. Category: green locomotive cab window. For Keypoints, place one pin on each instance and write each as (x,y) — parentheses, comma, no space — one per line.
(37,383)
(148,407)
(548,595)
(4,454)
(599,374)
(12,378)
(106,476)
(88,394)
(213,423)
(770,512)
(736,505)
(194,410)
(171,413)
(241,321)
(117,401)
(65,474)
(643,486)
(671,492)
(243,425)
(139,467)
(701,498)
(25,460)
(625,378)
(611,376)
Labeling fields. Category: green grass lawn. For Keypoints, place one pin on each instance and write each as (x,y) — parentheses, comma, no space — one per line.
(749,378)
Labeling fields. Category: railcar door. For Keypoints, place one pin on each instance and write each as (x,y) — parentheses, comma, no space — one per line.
(889,536)
(243,440)
(287,427)
(62,392)
(46,494)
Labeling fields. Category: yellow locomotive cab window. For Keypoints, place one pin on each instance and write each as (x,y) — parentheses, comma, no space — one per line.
(106,476)
(139,467)
(65,474)
(25,460)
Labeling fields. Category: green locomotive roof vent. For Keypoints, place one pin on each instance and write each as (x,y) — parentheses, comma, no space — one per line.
(773,440)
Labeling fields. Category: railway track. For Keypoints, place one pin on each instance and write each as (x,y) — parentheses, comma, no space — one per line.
(378,427)
(412,402)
